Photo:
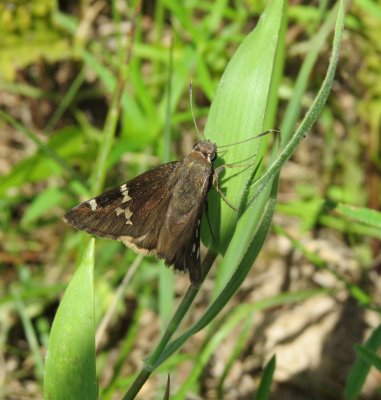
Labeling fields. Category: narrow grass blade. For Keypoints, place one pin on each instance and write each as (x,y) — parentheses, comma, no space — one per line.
(356,291)
(30,335)
(42,204)
(241,343)
(70,371)
(241,313)
(263,392)
(67,100)
(318,43)
(201,359)
(362,215)
(361,367)
(166,394)
(368,356)
(312,114)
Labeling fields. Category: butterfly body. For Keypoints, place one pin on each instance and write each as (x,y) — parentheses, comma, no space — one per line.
(158,212)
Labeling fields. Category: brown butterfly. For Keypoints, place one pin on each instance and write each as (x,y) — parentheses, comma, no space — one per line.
(158,212)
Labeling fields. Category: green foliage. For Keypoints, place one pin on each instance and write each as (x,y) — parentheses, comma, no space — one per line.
(264,388)
(241,109)
(26,34)
(95,137)
(70,359)
(360,369)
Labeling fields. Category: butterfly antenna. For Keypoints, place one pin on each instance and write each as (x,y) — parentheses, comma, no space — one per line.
(252,138)
(191,107)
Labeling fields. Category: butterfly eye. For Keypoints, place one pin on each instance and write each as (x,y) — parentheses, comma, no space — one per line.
(213,156)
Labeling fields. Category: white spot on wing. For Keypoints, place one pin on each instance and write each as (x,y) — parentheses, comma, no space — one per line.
(127,213)
(93,204)
(124,192)
(194,248)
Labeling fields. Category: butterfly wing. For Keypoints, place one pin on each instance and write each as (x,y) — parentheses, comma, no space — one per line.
(158,212)
(133,211)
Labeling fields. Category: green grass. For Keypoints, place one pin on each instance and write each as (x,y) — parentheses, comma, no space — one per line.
(124,109)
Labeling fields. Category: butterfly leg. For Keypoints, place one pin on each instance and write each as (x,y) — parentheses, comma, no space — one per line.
(216,184)
(207,217)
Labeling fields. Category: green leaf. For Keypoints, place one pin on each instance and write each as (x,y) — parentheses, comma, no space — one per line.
(244,106)
(312,114)
(360,369)
(30,333)
(44,202)
(19,51)
(263,392)
(166,394)
(249,236)
(250,227)
(228,291)
(42,165)
(70,372)
(363,215)
(318,44)
(368,356)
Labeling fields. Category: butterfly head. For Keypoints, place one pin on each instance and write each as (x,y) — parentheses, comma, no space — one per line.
(207,149)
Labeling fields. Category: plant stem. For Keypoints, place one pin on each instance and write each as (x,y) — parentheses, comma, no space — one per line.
(170,331)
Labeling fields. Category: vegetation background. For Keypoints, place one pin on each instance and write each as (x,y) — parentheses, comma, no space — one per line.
(314,291)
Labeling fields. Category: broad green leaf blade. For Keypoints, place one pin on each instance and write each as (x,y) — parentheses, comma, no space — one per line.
(243,107)
(263,392)
(360,368)
(70,372)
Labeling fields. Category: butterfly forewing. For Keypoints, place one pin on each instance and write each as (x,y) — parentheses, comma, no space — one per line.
(128,210)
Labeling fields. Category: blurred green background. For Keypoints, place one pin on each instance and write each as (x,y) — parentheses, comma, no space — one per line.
(59,65)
